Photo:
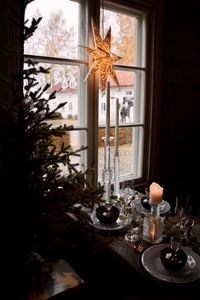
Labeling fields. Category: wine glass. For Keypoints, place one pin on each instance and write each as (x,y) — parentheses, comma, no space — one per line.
(134,231)
(127,191)
(176,242)
(183,206)
(176,258)
(185,220)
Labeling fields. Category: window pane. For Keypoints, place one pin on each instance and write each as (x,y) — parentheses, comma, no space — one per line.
(76,139)
(65,80)
(130,99)
(57,33)
(123,34)
(130,141)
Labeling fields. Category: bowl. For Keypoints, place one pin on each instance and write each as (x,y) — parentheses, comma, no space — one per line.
(106,214)
(145,203)
(173,260)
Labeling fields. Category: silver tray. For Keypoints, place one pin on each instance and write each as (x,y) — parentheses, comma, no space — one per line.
(165,207)
(118,225)
(150,260)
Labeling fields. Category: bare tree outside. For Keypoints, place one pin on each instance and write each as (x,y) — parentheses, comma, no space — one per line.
(58,38)
(123,34)
(55,38)
(126,41)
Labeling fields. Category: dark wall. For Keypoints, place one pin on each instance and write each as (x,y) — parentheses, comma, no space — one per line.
(11,44)
(11,16)
(178,167)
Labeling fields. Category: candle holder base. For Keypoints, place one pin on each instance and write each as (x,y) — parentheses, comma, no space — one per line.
(155,209)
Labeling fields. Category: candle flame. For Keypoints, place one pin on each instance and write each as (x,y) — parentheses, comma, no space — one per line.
(153,231)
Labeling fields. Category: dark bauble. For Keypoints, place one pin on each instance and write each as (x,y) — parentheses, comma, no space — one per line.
(107,216)
(145,203)
(171,260)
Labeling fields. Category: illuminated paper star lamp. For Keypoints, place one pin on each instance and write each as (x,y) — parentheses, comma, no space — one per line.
(103,57)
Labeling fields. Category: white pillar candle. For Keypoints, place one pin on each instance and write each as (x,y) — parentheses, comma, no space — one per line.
(156,193)
(117,128)
(108,113)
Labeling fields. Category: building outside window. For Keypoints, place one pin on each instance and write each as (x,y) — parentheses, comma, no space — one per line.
(56,44)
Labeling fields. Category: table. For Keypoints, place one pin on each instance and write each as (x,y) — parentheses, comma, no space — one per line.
(114,273)
(151,288)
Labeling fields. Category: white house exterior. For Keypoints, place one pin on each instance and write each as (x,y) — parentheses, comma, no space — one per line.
(67,92)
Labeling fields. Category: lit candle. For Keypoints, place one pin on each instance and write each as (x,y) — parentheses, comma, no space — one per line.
(156,193)
(153,231)
(108,113)
(117,128)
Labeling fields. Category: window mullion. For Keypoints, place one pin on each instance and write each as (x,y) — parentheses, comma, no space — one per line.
(128,68)
(57,60)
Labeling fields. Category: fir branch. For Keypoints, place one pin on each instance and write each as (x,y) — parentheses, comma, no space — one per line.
(29,30)
(32,159)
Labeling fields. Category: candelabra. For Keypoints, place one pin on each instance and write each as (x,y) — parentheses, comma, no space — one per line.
(107,172)
(116,153)
(116,175)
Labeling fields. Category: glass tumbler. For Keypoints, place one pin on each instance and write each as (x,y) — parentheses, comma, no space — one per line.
(153,228)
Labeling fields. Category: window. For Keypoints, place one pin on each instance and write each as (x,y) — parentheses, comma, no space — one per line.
(56,43)
(70,106)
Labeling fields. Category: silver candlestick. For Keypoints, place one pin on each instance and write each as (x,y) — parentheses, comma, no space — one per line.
(116,175)
(107,172)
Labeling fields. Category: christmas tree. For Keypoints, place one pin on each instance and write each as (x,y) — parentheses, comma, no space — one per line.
(38,194)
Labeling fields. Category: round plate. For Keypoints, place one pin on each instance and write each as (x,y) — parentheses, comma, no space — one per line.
(195,231)
(165,207)
(118,225)
(150,260)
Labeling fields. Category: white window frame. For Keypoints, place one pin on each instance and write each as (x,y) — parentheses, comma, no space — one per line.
(88,91)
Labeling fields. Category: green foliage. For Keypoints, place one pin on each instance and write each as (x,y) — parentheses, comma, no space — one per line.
(54,193)
(43,157)
(38,195)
